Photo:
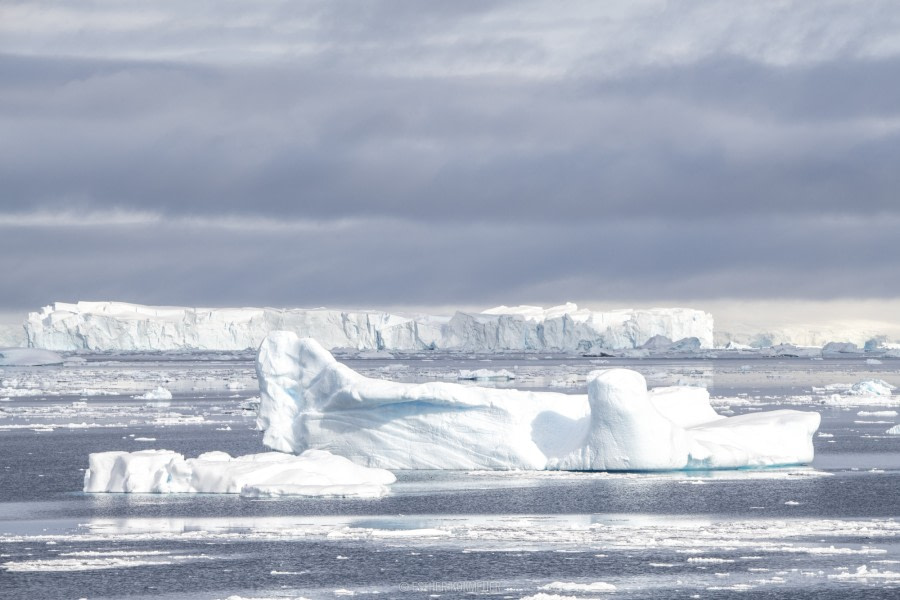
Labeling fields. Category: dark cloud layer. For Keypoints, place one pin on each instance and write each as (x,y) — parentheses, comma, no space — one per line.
(388,262)
(459,153)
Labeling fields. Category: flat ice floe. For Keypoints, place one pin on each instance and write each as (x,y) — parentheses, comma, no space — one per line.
(309,400)
(562,586)
(94,561)
(872,387)
(160,393)
(28,357)
(313,473)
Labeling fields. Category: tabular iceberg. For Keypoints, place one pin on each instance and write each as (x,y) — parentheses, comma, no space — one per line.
(309,400)
(121,326)
(313,473)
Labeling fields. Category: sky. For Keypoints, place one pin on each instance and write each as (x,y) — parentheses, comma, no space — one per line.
(454,154)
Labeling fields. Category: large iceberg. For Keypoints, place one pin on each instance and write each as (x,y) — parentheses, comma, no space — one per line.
(104,326)
(313,473)
(309,400)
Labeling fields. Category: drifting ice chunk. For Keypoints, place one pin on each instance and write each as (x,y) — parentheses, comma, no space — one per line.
(313,473)
(838,349)
(486,375)
(597,586)
(732,345)
(142,471)
(28,357)
(660,343)
(871,387)
(791,351)
(309,400)
(160,393)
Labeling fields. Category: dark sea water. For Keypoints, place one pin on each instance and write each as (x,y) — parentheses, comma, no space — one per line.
(830,530)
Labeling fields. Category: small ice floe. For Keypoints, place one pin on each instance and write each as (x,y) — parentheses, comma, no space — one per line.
(313,473)
(709,560)
(895,430)
(160,393)
(562,586)
(486,375)
(179,419)
(158,404)
(250,404)
(98,560)
(871,387)
(374,355)
(864,572)
(28,357)
(877,413)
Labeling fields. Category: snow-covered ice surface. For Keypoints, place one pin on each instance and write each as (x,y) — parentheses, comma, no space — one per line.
(310,400)
(830,530)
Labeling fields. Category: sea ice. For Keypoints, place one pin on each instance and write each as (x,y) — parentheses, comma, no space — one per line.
(839,349)
(160,393)
(596,586)
(309,400)
(313,473)
(97,560)
(486,375)
(28,357)
(871,387)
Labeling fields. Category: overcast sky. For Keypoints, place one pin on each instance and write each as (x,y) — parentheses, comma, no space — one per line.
(410,154)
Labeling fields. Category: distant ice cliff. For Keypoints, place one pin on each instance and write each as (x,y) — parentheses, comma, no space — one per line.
(103,326)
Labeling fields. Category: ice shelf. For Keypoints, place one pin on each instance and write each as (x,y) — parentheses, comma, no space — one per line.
(102,326)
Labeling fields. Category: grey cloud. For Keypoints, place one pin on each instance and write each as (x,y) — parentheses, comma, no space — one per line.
(388,262)
(300,141)
(483,152)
